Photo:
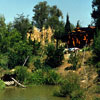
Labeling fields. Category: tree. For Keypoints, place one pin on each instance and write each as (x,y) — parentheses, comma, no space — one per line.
(96,12)
(22,24)
(78,23)
(54,11)
(96,46)
(67,25)
(96,52)
(40,17)
(2,21)
(3,61)
(10,27)
(18,53)
(3,35)
(46,15)
(59,32)
(54,56)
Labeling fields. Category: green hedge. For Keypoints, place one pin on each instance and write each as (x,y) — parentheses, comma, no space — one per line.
(2,85)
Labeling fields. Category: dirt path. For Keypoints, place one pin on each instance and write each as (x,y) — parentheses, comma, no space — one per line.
(61,69)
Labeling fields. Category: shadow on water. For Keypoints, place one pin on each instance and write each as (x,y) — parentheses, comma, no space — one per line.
(30,93)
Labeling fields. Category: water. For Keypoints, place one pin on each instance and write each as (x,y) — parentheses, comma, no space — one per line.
(30,93)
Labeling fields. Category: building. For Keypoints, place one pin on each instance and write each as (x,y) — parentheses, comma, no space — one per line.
(80,36)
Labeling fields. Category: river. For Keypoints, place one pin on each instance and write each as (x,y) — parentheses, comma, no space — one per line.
(30,93)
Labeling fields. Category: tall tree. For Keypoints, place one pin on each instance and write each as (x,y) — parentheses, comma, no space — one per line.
(40,17)
(3,35)
(54,17)
(22,24)
(46,15)
(2,21)
(78,23)
(67,25)
(96,52)
(54,11)
(96,12)
(59,32)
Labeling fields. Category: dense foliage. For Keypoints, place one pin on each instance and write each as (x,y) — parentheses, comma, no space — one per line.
(38,77)
(96,51)
(13,49)
(96,12)
(54,56)
(74,58)
(46,15)
(21,73)
(2,85)
(71,88)
(22,24)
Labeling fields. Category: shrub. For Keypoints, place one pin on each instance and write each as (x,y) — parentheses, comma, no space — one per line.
(37,77)
(77,95)
(2,85)
(96,98)
(21,73)
(41,76)
(52,78)
(44,76)
(18,53)
(3,61)
(74,60)
(71,87)
(97,89)
(54,56)
(38,63)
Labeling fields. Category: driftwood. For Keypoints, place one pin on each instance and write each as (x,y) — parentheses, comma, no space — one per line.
(18,83)
(9,83)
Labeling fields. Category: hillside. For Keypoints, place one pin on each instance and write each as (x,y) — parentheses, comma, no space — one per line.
(87,73)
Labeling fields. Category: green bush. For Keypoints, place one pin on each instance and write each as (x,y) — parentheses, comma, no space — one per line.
(74,60)
(52,78)
(54,56)
(97,89)
(38,63)
(71,87)
(37,77)
(2,85)
(4,61)
(18,53)
(77,95)
(43,76)
(40,76)
(96,98)
(21,73)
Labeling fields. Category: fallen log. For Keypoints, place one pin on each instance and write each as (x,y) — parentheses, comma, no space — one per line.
(18,83)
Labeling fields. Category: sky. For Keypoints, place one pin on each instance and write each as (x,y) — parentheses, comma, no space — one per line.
(77,9)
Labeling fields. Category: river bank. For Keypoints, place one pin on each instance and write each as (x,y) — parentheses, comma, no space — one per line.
(43,92)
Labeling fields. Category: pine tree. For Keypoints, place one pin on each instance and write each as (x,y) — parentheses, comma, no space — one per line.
(78,23)
(67,26)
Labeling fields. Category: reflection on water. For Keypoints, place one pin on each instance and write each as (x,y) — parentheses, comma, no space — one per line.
(30,93)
